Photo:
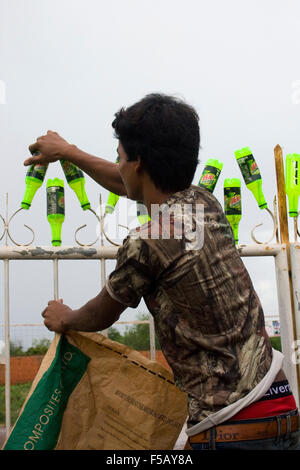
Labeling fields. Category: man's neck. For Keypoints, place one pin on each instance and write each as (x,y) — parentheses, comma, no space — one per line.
(154,196)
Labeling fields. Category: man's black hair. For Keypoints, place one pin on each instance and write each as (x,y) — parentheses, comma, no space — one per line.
(164,132)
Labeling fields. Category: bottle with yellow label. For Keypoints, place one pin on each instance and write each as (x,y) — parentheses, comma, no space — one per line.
(210,174)
(33,180)
(251,175)
(233,204)
(76,181)
(292,182)
(55,208)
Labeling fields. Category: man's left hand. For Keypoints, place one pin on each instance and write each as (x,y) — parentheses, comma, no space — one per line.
(56,316)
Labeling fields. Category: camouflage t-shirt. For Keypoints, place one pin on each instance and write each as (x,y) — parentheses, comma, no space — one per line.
(208,317)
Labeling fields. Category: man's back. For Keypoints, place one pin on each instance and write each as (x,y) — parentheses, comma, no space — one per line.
(208,318)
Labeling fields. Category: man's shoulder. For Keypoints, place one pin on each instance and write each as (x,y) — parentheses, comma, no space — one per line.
(192,195)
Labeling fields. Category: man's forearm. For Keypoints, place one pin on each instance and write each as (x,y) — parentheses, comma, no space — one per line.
(97,314)
(87,319)
(102,171)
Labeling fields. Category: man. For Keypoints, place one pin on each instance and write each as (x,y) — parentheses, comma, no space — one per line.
(208,317)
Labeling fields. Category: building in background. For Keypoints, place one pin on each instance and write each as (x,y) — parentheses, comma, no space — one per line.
(272,323)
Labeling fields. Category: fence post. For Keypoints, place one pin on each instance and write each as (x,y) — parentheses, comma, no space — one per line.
(7,348)
(287,331)
(284,238)
(152,337)
(7,334)
(295,268)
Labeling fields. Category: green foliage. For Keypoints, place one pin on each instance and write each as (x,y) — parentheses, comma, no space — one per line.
(276,342)
(39,347)
(136,336)
(18,395)
(115,335)
(16,349)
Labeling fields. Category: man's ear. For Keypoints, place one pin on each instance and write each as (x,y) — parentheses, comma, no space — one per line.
(138,165)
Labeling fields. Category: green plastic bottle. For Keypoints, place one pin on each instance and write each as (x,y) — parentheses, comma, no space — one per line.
(233,204)
(210,174)
(112,198)
(55,208)
(33,180)
(142,213)
(111,203)
(251,175)
(76,181)
(292,182)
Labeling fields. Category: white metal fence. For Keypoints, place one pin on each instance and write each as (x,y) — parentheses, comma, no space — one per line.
(290,332)
(8,253)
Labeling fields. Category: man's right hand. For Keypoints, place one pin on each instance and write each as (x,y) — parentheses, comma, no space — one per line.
(51,147)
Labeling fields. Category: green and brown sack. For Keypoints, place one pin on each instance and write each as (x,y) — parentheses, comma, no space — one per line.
(94,393)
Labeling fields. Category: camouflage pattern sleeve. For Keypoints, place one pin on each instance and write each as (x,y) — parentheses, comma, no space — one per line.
(134,274)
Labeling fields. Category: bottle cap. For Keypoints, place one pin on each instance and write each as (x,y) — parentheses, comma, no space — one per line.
(55,182)
(244,152)
(214,162)
(232,183)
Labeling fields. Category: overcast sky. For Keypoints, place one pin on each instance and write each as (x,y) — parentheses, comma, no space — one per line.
(69,65)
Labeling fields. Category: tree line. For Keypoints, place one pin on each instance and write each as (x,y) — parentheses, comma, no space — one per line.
(134,336)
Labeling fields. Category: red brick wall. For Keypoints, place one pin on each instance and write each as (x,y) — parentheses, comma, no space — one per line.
(159,357)
(24,368)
